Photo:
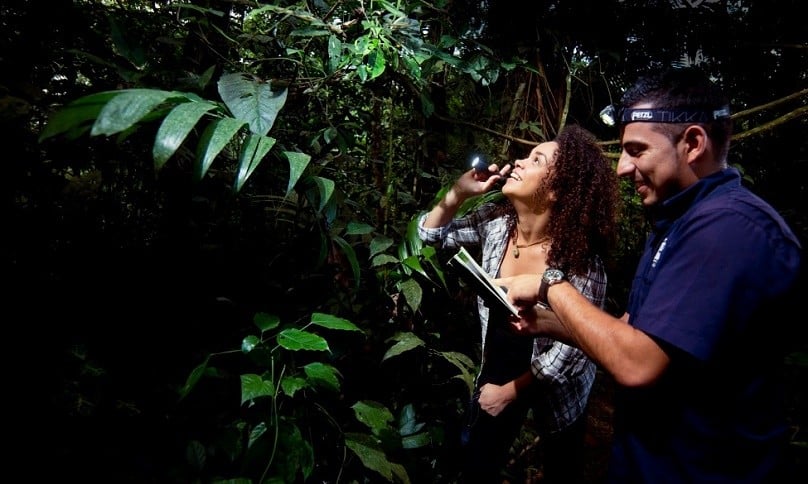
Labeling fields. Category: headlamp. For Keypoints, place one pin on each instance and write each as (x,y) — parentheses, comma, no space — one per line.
(610,115)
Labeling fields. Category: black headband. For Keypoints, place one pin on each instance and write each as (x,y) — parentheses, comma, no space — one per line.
(660,115)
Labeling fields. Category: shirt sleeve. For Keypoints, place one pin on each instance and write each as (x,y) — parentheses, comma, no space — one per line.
(555,362)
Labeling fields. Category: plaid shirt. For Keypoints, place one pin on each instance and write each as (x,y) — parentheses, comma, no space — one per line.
(564,373)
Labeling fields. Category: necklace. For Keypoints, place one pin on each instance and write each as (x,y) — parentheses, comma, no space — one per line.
(516,246)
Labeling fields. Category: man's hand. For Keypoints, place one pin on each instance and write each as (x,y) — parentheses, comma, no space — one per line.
(523,290)
(537,320)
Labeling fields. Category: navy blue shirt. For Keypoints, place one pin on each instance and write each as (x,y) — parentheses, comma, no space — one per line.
(706,289)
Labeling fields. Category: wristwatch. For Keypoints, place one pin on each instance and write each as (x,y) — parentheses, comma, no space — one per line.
(550,277)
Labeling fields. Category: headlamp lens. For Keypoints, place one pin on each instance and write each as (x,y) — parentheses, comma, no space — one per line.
(607,115)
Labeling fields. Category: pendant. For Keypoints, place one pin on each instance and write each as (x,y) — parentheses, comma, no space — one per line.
(515,252)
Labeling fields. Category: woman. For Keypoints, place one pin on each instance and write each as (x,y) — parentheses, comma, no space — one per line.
(559,210)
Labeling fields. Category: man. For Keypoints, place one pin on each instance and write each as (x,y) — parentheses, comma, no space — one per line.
(697,355)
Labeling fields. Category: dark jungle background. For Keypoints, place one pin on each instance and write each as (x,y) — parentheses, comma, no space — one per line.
(211,273)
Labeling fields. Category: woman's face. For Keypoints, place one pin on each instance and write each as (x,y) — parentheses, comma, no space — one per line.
(528,174)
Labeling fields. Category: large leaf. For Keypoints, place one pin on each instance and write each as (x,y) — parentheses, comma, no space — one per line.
(253,151)
(175,128)
(214,139)
(127,108)
(252,100)
(76,114)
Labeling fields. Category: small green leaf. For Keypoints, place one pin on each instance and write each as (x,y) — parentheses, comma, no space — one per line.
(350,255)
(370,453)
(254,386)
(356,228)
(333,322)
(297,164)
(296,339)
(412,293)
(323,374)
(378,244)
(373,414)
(249,342)
(266,321)
(405,342)
(193,378)
(291,384)
(383,259)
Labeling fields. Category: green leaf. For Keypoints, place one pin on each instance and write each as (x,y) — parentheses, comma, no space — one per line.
(383,259)
(291,384)
(214,139)
(76,114)
(380,243)
(175,128)
(333,322)
(251,100)
(370,453)
(407,423)
(127,108)
(416,441)
(296,339)
(323,374)
(253,151)
(297,163)
(334,53)
(254,386)
(249,342)
(350,254)
(325,188)
(357,228)
(373,414)
(193,378)
(404,342)
(266,321)
(377,63)
(412,293)
(464,364)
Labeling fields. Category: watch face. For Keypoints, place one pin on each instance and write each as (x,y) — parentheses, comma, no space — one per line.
(551,276)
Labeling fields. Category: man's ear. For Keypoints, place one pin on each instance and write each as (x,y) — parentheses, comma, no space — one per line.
(695,143)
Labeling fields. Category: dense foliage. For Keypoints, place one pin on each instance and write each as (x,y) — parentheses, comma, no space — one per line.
(211,244)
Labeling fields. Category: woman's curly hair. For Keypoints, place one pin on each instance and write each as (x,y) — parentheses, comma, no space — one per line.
(583,225)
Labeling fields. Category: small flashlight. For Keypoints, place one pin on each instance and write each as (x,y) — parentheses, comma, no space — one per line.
(479,162)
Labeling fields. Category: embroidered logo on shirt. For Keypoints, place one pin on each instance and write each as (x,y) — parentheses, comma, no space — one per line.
(659,252)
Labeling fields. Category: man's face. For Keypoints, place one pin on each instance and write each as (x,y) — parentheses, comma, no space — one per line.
(654,163)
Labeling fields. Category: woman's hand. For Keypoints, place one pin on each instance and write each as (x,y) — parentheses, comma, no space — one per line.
(473,182)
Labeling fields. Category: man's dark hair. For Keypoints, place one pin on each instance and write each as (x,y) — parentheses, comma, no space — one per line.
(686,88)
